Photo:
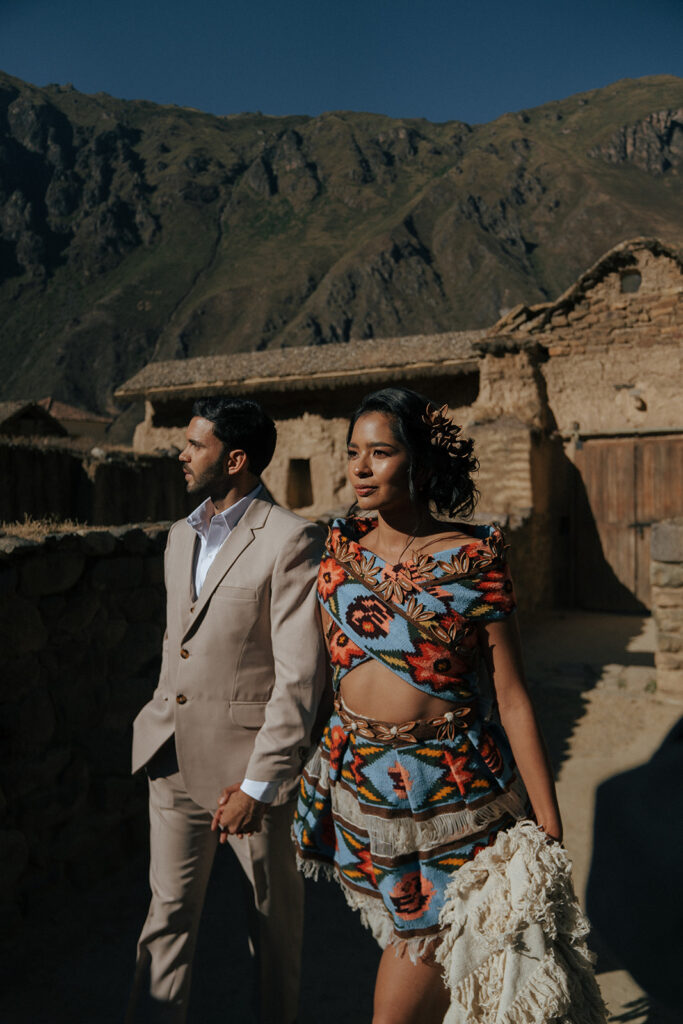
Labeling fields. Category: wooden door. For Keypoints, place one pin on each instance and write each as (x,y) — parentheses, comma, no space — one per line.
(623,486)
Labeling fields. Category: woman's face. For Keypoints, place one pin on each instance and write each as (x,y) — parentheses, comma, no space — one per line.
(378,464)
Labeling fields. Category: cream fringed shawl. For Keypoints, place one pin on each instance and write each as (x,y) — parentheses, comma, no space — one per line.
(514,949)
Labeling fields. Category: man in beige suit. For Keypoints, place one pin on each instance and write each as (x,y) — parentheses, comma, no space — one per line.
(241,680)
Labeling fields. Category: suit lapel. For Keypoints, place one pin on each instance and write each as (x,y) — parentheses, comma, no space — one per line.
(240,539)
(183,566)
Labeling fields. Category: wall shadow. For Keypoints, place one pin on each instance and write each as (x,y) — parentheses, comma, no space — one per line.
(568,649)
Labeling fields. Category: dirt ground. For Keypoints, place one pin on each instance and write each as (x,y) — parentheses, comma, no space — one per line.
(593,680)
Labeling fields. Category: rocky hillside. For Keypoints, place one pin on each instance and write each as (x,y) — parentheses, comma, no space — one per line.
(131,231)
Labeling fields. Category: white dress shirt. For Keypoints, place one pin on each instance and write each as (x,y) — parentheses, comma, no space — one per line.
(213,529)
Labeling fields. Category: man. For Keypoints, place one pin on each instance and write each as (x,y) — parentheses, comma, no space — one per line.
(241,679)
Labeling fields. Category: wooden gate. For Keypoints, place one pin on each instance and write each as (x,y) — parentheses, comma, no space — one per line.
(623,486)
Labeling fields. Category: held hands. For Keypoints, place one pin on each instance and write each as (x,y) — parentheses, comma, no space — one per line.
(237,814)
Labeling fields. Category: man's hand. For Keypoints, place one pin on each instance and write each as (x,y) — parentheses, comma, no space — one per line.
(237,814)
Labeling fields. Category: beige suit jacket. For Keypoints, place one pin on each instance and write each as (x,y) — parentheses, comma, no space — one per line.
(243,666)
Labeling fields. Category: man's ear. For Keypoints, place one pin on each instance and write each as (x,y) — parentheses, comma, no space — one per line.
(236,461)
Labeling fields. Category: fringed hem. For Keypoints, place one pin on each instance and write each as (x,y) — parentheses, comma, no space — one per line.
(373,914)
(549,995)
(310,868)
(513,945)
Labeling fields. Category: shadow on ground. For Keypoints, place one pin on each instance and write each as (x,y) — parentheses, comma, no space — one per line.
(76,964)
(77,968)
(568,654)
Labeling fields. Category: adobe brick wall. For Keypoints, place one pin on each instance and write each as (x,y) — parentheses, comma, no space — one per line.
(81,623)
(615,357)
(666,577)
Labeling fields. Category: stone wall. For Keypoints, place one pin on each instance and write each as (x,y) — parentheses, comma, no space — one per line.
(81,623)
(615,354)
(105,488)
(666,577)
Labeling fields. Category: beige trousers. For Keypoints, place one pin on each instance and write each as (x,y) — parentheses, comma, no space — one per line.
(182,849)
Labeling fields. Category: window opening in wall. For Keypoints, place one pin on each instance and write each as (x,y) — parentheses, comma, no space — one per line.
(299,486)
(631,281)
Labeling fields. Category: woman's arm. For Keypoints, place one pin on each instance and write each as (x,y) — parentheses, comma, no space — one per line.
(503,655)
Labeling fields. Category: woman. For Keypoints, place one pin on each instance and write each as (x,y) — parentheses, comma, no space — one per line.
(416,799)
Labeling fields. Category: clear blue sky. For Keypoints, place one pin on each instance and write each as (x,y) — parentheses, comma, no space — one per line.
(470,60)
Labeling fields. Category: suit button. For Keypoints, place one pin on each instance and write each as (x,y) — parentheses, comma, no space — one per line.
(191,607)
(181,698)
(184,653)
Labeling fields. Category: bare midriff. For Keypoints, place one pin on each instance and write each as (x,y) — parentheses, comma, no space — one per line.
(374,691)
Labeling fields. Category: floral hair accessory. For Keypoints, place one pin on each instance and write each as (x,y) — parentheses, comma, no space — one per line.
(443,432)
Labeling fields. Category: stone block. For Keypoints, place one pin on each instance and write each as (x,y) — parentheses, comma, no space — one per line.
(13,857)
(667,541)
(142,604)
(136,542)
(27,724)
(141,645)
(9,580)
(80,701)
(117,573)
(98,542)
(21,777)
(113,794)
(19,674)
(79,613)
(51,572)
(51,607)
(666,574)
(670,683)
(127,697)
(11,923)
(55,804)
(667,597)
(154,570)
(95,852)
(670,641)
(108,751)
(21,627)
(8,545)
(110,633)
(669,659)
(668,620)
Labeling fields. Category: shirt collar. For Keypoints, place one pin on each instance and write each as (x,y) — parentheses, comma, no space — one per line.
(200,520)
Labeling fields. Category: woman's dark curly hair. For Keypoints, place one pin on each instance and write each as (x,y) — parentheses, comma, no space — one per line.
(437,476)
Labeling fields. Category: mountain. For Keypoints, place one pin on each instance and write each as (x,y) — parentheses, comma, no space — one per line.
(131,231)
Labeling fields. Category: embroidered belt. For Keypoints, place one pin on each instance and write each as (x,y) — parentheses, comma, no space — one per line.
(446,726)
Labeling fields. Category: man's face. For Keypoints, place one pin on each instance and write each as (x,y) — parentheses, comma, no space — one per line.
(203,458)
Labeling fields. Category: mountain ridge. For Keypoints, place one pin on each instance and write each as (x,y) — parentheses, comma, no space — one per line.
(132,231)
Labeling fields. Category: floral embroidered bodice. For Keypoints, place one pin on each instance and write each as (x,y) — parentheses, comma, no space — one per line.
(418,617)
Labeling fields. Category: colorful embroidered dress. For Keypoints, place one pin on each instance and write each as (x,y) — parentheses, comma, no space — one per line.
(394,811)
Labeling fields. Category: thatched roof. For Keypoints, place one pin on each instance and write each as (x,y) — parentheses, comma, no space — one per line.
(307,368)
(13,412)
(65,412)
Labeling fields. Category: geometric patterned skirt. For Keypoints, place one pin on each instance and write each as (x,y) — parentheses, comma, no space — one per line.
(397,814)
(393,811)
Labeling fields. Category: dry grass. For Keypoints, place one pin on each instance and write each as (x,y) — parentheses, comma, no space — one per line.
(33,529)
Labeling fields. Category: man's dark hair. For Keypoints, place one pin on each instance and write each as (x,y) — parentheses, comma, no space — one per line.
(241,423)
